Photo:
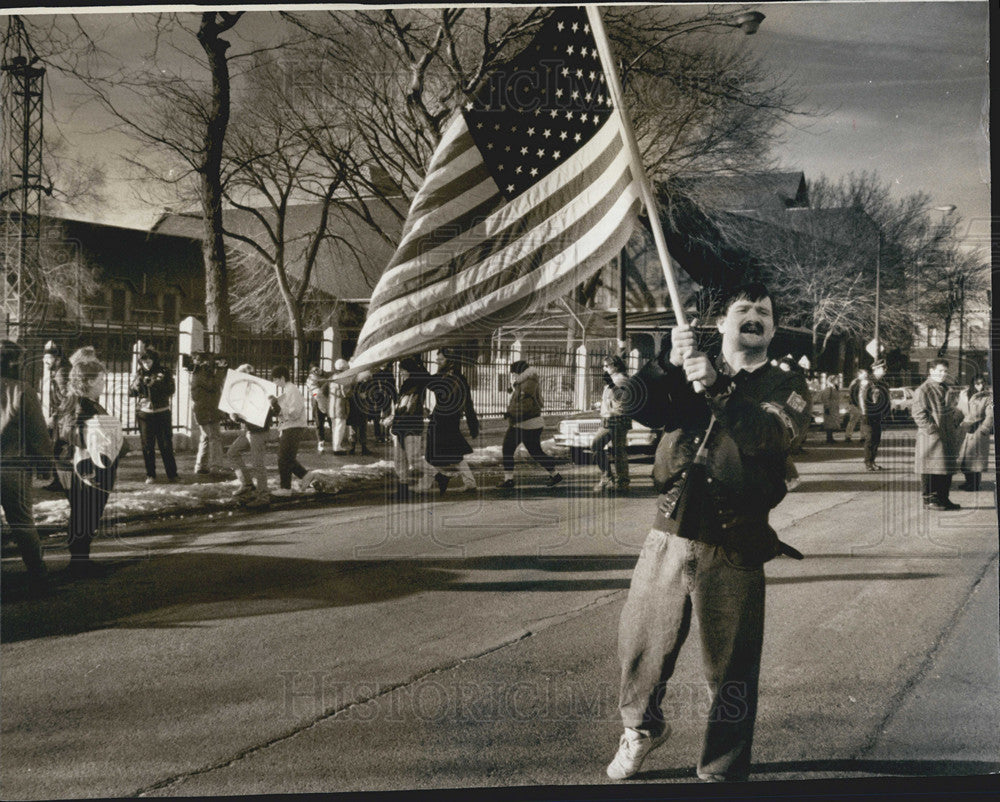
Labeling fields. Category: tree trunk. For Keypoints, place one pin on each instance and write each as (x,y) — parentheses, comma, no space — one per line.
(210,172)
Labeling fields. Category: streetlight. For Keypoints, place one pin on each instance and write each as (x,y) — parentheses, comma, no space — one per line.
(748,22)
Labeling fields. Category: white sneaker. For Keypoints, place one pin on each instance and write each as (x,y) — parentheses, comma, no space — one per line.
(281,492)
(632,750)
(308,479)
(321,447)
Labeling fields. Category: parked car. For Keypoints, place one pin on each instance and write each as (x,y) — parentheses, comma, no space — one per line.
(901,402)
(577,431)
(817,414)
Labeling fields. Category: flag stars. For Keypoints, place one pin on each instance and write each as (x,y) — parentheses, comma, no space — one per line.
(554,113)
(541,152)
(524,151)
(592,75)
(547,133)
(563,135)
(576,27)
(518,169)
(579,73)
(533,172)
(510,188)
(569,50)
(561,26)
(556,154)
(531,131)
(577,137)
(565,72)
(575,95)
(569,115)
(559,93)
(583,118)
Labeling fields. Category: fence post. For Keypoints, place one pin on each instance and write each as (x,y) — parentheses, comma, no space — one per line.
(47,382)
(515,350)
(633,361)
(329,351)
(190,338)
(580,389)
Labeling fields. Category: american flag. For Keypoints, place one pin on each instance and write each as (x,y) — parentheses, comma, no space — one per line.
(529,192)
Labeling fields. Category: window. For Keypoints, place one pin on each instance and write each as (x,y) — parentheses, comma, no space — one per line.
(932,336)
(169,308)
(118,300)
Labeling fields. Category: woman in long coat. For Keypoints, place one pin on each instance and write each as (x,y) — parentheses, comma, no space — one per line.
(446,446)
(974,456)
(938,438)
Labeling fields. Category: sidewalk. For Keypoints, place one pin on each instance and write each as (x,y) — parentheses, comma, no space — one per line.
(133,501)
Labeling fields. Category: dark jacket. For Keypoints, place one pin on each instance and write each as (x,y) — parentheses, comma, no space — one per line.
(452,400)
(24,435)
(525,402)
(154,388)
(90,443)
(206,390)
(876,397)
(408,416)
(726,499)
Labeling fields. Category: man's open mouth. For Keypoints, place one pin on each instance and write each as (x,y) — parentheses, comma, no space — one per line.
(751,328)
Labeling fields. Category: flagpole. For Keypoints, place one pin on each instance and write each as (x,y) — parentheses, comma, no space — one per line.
(614,84)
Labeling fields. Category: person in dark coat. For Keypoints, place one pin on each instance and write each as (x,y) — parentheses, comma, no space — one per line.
(871,396)
(938,438)
(25,447)
(379,393)
(974,455)
(446,446)
(91,443)
(524,424)
(153,385)
(720,470)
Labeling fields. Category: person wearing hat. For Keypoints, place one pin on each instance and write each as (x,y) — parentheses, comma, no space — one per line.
(871,396)
(340,407)
(25,447)
(524,416)
(153,385)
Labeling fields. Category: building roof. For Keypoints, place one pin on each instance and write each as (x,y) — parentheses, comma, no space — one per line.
(770,190)
(350,259)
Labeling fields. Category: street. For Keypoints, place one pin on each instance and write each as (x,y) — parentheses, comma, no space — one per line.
(361,644)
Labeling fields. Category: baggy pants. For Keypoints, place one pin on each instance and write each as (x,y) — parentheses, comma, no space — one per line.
(15,496)
(674,578)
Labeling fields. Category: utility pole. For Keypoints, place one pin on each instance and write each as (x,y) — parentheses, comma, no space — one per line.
(25,295)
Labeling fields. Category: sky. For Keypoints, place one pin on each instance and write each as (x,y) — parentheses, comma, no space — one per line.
(902,87)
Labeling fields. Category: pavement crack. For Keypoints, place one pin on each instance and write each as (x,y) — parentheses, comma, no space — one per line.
(552,620)
(382,692)
(924,668)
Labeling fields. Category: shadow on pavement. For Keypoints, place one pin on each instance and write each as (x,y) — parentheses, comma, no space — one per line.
(849,766)
(185,589)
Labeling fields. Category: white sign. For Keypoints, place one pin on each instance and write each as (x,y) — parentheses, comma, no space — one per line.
(247,396)
(870,348)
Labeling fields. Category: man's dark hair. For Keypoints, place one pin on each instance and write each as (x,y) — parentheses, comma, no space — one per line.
(752,291)
(280,372)
(940,361)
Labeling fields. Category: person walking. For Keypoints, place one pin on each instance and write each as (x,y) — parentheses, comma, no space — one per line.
(720,469)
(446,446)
(253,438)
(977,426)
(407,426)
(58,367)
(829,395)
(90,445)
(525,423)
(938,438)
(615,425)
(208,375)
(318,390)
(854,415)
(871,396)
(290,413)
(25,448)
(153,385)
(339,409)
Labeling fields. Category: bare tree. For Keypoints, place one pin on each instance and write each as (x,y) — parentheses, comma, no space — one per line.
(174,98)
